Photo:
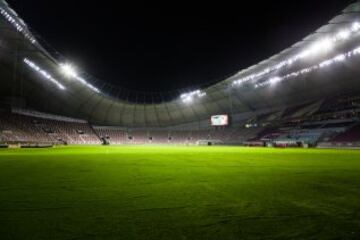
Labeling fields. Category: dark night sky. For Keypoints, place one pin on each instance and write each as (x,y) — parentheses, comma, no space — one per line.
(156,46)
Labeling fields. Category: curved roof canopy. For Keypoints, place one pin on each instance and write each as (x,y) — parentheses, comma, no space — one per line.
(325,63)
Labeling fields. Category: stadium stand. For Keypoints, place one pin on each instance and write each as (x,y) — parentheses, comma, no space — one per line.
(180,137)
(325,123)
(325,126)
(112,134)
(160,137)
(351,135)
(17,128)
(138,137)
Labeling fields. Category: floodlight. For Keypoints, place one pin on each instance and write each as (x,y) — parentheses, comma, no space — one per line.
(355,27)
(44,73)
(304,54)
(345,34)
(17,25)
(323,45)
(189,97)
(340,58)
(68,70)
(274,80)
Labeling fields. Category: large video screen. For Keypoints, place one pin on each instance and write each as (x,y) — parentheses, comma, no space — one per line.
(219,120)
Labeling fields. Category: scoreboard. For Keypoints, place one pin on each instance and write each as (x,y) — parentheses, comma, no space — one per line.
(219,120)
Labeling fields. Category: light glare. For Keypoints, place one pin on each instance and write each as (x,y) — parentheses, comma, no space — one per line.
(189,97)
(274,80)
(355,27)
(68,70)
(323,45)
(344,34)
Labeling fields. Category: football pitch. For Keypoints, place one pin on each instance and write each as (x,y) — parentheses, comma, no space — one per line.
(163,192)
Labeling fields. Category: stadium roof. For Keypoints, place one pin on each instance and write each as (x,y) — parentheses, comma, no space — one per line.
(323,64)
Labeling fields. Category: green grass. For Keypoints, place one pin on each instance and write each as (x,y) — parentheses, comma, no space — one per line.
(143,192)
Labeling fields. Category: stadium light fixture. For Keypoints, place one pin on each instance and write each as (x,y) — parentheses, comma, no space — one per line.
(337,59)
(304,54)
(83,81)
(274,80)
(345,34)
(43,73)
(355,27)
(68,70)
(188,100)
(189,97)
(323,45)
(17,24)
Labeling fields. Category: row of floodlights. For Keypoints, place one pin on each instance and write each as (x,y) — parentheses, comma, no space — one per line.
(190,96)
(17,25)
(43,73)
(337,59)
(66,69)
(321,46)
(69,71)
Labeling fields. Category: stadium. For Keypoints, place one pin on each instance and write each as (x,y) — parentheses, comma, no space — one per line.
(270,152)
